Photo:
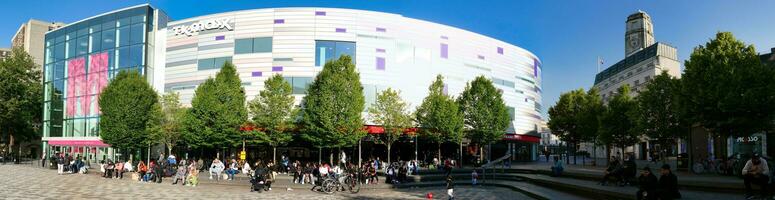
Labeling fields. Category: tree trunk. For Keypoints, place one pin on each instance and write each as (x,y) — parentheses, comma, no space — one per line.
(439,150)
(169,149)
(320,155)
(331,158)
(574,153)
(388,148)
(594,152)
(567,154)
(461,153)
(359,153)
(274,154)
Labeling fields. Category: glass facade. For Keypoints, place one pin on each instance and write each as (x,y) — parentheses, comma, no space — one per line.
(329,50)
(253,45)
(81,58)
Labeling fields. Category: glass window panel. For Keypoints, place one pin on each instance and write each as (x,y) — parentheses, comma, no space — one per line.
(324,51)
(138,18)
(60,39)
(262,45)
(83,46)
(71,44)
(136,55)
(83,32)
(49,55)
(123,36)
(242,46)
(95,42)
(110,24)
(55,131)
(48,73)
(59,89)
(205,64)
(124,59)
(112,59)
(95,28)
(59,70)
(92,127)
(70,35)
(220,61)
(345,48)
(59,51)
(138,33)
(300,84)
(108,39)
(124,21)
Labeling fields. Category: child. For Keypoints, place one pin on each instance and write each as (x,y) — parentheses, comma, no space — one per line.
(474,176)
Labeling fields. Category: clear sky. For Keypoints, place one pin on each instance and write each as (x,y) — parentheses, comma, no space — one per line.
(567,36)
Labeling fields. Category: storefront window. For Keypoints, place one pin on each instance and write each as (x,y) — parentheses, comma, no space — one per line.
(329,50)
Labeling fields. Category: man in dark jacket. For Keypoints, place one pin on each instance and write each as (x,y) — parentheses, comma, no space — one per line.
(450,187)
(668,184)
(647,184)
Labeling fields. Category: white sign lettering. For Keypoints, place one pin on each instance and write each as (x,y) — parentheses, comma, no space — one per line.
(189,30)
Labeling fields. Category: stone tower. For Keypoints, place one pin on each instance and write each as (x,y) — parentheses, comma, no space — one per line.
(639,33)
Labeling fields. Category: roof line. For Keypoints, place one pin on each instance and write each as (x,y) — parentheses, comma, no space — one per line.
(100,15)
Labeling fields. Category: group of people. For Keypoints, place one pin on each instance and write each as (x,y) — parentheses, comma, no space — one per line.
(66,164)
(622,171)
(651,188)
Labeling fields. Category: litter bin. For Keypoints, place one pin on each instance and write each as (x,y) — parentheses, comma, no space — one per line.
(683,161)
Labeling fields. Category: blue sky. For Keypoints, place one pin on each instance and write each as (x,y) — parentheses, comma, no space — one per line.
(567,36)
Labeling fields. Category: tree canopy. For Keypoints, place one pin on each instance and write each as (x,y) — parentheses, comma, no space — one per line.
(273,111)
(390,112)
(439,116)
(727,89)
(217,111)
(21,97)
(166,124)
(618,122)
(331,111)
(126,104)
(484,111)
(658,114)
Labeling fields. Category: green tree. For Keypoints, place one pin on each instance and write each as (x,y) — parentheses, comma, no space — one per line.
(21,96)
(619,120)
(390,112)
(658,110)
(439,116)
(167,117)
(127,104)
(331,111)
(273,111)
(564,118)
(726,88)
(588,123)
(217,111)
(484,111)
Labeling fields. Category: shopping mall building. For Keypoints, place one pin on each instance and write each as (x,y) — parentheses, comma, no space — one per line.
(389,50)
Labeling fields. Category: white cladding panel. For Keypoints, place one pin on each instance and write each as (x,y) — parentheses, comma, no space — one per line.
(411,49)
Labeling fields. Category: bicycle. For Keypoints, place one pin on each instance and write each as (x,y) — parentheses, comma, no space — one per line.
(332,184)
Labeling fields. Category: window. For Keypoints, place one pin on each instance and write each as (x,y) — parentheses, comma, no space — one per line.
(212,63)
(123,36)
(511,112)
(71,44)
(137,34)
(637,83)
(299,84)
(647,79)
(330,50)
(629,74)
(96,42)
(83,46)
(124,58)
(253,45)
(108,39)
(444,49)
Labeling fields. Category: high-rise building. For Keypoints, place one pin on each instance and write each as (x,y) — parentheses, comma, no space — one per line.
(644,59)
(30,37)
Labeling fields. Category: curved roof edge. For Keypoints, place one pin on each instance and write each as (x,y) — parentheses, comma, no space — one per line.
(102,14)
(379,12)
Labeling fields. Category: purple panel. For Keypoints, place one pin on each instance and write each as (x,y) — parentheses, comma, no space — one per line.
(320,13)
(443,50)
(220,37)
(380,63)
(341,30)
(279,21)
(535,67)
(381,29)
(500,50)
(257,74)
(277,68)
(444,37)
(481,57)
(380,50)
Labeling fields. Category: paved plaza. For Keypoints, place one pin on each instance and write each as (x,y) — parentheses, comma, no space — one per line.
(26,182)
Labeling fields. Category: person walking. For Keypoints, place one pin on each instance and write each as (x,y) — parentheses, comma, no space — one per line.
(647,185)
(756,172)
(668,184)
(450,187)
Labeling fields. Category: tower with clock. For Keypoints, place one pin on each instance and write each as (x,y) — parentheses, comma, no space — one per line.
(639,32)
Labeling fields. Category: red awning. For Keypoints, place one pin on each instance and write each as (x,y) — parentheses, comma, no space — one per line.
(374,129)
(77,143)
(521,138)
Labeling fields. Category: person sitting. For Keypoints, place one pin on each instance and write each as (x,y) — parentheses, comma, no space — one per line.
(613,171)
(755,171)
(216,168)
(557,168)
(629,169)
(180,174)
(668,184)
(647,185)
